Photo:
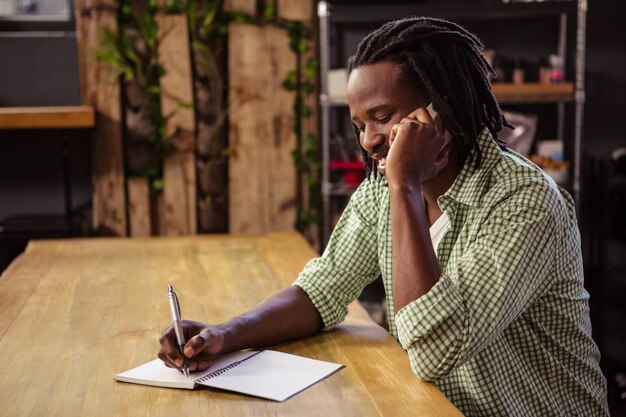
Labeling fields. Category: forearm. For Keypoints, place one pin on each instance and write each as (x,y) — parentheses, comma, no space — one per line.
(414,266)
(286,315)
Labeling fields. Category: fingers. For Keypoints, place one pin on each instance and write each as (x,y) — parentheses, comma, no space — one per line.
(196,344)
(201,350)
(208,341)
(393,133)
(168,351)
(200,364)
(408,125)
(421,115)
(203,346)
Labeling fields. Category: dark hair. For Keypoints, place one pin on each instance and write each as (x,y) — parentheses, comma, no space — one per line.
(447,60)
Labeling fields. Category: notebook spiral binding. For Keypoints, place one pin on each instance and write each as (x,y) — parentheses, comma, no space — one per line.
(220,371)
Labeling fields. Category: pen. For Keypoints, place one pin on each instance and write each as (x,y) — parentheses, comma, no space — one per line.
(178,328)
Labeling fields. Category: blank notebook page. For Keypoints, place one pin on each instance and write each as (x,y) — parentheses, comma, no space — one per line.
(273,375)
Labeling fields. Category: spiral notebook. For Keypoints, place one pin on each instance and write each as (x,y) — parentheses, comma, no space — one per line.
(266,374)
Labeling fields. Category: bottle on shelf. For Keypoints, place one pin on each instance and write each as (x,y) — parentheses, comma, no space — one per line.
(556,69)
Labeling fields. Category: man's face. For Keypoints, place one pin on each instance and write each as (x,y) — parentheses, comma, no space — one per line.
(379,97)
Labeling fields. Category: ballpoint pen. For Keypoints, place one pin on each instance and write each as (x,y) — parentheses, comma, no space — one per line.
(178,328)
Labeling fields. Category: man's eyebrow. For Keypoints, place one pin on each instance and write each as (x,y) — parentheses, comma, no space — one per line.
(374,110)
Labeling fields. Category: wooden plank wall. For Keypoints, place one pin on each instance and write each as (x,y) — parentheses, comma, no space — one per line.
(300,10)
(139,207)
(245,6)
(100,88)
(262,175)
(262,191)
(179,178)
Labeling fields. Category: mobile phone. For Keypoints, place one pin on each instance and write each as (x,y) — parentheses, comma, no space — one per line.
(433,113)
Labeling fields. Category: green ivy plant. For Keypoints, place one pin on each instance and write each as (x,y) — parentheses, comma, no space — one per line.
(301,80)
(132,52)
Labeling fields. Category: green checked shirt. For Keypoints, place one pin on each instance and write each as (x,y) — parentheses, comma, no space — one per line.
(506,330)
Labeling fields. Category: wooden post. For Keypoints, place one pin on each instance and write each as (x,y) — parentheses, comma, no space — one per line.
(176,89)
(244,6)
(179,195)
(139,207)
(261,170)
(300,10)
(282,171)
(100,88)
(248,67)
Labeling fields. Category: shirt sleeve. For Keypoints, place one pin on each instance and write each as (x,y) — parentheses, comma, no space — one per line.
(503,270)
(349,262)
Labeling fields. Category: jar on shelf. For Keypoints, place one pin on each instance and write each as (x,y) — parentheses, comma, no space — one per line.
(544,71)
(519,72)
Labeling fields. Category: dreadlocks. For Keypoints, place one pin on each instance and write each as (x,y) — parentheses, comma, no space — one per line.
(447,60)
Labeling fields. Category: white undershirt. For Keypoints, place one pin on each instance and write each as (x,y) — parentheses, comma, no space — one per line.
(438,229)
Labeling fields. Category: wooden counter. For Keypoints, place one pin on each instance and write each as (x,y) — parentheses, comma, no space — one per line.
(73,313)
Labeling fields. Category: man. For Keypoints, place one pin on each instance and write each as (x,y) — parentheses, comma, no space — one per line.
(484,284)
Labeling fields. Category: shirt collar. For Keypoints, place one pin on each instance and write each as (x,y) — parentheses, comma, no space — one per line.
(471,183)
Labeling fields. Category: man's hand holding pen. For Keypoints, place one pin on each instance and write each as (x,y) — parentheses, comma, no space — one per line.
(286,315)
(204,345)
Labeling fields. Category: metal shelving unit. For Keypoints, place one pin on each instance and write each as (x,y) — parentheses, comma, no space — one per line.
(332,13)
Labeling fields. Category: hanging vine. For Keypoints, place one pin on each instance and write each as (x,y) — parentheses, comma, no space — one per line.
(133,53)
(306,158)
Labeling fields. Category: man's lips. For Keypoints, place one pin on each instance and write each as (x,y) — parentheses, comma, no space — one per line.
(381,159)
(379,155)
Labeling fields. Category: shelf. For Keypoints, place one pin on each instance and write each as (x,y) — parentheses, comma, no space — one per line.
(359,13)
(342,20)
(533,92)
(59,117)
(34,17)
(507,93)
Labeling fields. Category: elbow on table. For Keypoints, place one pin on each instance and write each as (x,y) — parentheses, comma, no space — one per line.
(430,367)
(427,373)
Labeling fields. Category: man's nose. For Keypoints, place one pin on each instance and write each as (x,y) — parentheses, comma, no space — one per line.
(371,140)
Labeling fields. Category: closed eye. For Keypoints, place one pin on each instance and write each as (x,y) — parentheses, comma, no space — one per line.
(383,120)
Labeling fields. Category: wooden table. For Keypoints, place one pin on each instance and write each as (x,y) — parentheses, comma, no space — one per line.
(73,313)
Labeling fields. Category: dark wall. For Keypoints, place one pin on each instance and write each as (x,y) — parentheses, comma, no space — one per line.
(605,110)
(38,69)
(605,193)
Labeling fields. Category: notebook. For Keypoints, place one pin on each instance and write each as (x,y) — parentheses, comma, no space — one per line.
(266,374)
